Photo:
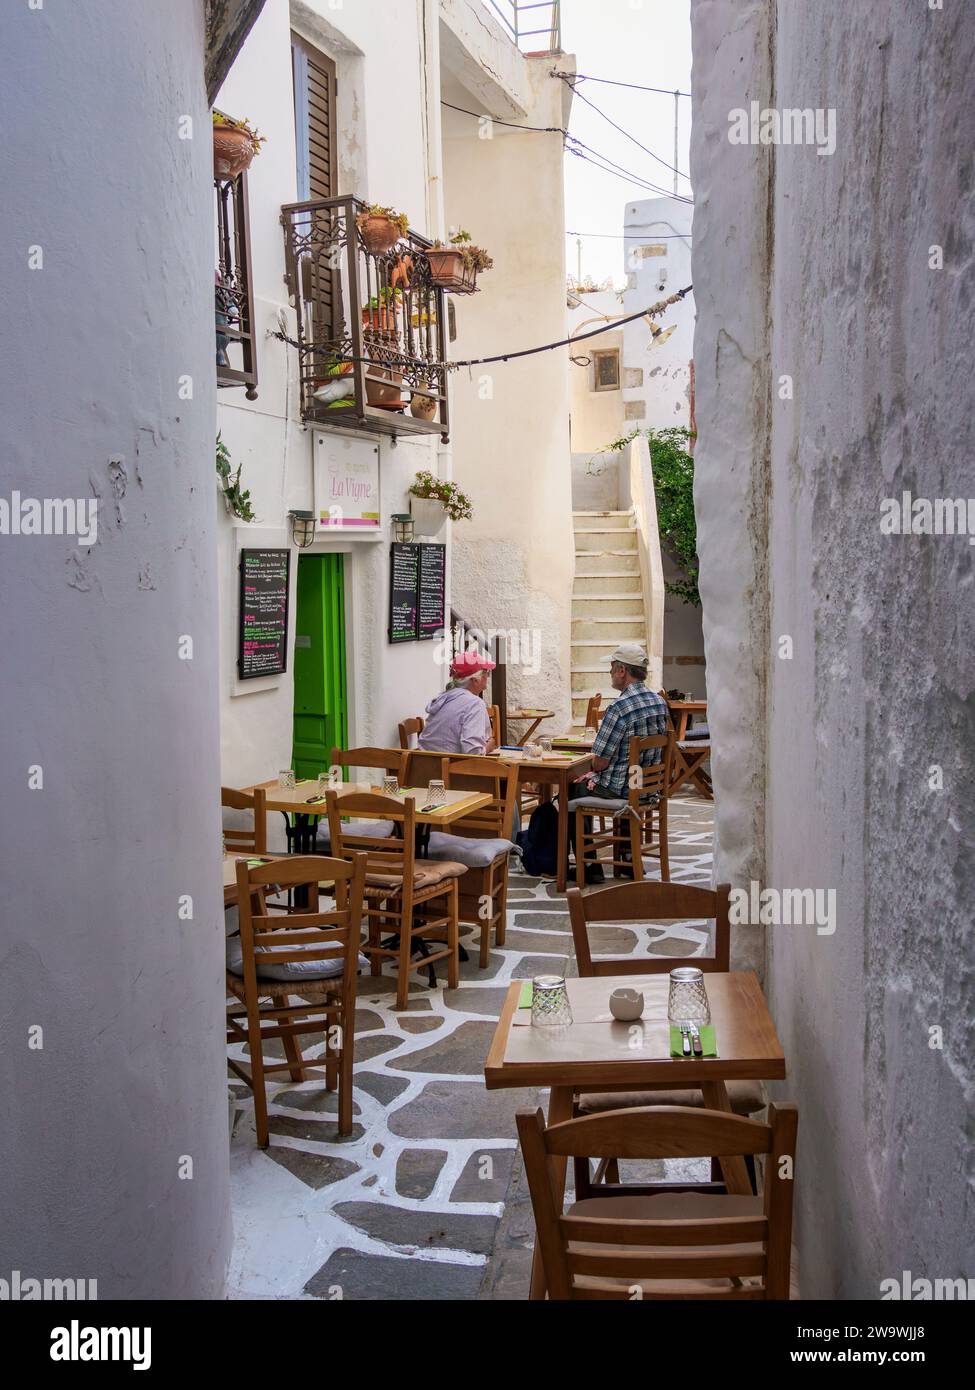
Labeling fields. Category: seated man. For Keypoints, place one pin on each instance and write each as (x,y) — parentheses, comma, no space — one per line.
(458,721)
(636,713)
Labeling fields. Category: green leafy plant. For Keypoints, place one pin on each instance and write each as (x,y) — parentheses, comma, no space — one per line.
(256,140)
(473,257)
(375,210)
(673,484)
(238,500)
(456,504)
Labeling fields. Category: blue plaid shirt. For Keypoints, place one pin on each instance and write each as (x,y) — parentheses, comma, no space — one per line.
(636,713)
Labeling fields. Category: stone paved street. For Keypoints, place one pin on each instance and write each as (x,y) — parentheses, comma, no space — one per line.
(425,1198)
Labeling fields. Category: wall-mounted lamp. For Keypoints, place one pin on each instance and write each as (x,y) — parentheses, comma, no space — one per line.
(403,527)
(302,529)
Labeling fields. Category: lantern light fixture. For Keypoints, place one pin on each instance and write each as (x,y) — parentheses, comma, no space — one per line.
(302,529)
(403,527)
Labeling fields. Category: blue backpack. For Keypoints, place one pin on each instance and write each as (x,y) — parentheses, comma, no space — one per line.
(540,842)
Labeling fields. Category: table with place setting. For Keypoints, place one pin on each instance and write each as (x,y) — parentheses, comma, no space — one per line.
(552,770)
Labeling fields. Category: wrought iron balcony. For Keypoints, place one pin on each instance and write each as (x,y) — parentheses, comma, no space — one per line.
(234,300)
(371,325)
(535,26)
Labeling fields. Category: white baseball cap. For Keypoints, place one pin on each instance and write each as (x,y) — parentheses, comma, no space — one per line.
(630,654)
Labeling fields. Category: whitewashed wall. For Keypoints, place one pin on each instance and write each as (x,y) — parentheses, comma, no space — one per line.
(824,761)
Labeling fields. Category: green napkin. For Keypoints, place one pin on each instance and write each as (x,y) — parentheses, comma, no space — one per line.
(255,863)
(707,1041)
(525,998)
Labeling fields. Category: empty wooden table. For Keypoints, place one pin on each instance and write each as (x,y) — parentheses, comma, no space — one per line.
(553,772)
(535,716)
(595,1053)
(685,711)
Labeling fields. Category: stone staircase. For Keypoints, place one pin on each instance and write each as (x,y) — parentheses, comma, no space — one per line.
(607,602)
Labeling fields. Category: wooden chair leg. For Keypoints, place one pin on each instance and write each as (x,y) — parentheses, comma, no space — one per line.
(403,964)
(581,849)
(636,846)
(292,1051)
(375,938)
(453,936)
(487,923)
(664,843)
(257,1081)
(502,907)
(344,1069)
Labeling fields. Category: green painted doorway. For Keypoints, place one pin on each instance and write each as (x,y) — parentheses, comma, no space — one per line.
(321,710)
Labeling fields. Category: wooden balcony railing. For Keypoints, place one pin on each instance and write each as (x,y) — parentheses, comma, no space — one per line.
(371,327)
(233,295)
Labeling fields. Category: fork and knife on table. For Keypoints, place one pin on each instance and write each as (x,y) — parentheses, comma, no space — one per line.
(690,1039)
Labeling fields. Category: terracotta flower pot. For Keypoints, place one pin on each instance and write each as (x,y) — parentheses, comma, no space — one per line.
(379,393)
(233,151)
(448,271)
(379,234)
(423,407)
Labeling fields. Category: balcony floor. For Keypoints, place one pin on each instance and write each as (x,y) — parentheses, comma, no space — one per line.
(312,1215)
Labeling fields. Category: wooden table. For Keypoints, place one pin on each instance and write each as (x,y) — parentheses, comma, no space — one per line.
(530,714)
(569,743)
(595,1053)
(553,772)
(685,711)
(230,862)
(689,760)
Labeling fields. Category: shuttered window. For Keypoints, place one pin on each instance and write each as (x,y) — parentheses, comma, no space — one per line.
(314,84)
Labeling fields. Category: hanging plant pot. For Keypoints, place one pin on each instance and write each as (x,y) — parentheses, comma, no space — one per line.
(379,233)
(387,394)
(428,515)
(423,407)
(448,271)
(233,151)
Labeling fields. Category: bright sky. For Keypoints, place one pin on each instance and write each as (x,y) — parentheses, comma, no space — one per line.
(642,41)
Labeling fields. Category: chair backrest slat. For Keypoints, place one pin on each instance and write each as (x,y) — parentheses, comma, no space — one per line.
(302,936)
(423,767)
(391,760)
(649,901)
(578,1252)
(410,728)
(494,778)
(395,855)
(240,837)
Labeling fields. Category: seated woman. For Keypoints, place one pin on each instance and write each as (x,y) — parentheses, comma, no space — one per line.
(458,721)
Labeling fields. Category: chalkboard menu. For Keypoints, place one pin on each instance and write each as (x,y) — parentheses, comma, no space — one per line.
(417,579)
(263,635)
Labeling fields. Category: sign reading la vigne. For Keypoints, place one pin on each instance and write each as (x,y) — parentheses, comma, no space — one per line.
(263,636)
(417,585)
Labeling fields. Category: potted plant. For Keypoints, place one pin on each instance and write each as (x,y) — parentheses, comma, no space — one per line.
(235,143)
(432,500)
(381,228)
(423,407)
(379,314)
(455,266)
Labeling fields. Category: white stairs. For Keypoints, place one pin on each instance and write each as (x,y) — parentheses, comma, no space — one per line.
(607,602)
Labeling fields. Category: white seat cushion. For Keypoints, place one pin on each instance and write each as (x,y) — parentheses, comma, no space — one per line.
(325,969)
(609,804)
(366,829)
(472,853)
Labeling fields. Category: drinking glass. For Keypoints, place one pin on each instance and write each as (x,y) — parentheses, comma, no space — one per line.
(590,732)
(688,1001)
(436,793)
(325,783)
(545,745)
(286,777)
(550,1002)
(390,785)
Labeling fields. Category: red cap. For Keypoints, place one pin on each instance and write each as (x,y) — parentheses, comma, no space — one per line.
(468,665)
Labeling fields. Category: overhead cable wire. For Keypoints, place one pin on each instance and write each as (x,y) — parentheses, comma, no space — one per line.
(612,82)
(622,130)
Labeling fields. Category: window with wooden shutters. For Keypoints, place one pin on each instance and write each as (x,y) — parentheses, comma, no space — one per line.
(314,89)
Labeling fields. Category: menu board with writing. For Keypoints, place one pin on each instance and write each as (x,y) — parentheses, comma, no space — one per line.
(417,592)
(404,582)
(433,576)
(263,636)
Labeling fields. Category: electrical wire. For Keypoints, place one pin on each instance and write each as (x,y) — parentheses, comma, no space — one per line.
(637,236)
(639,144)
(612,82)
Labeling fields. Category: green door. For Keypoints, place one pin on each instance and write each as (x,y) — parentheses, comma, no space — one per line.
(320,704)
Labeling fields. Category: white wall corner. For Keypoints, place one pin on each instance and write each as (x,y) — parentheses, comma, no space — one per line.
(651,562)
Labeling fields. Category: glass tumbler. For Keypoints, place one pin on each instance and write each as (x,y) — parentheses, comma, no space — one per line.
(688,1001)
(325,783)
(286,777)
(390,786)
(436,793)
(550,1002)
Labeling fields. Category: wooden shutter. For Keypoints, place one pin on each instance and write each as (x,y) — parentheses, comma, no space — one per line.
(314,83)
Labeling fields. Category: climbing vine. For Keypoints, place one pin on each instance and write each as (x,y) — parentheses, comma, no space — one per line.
(238,499)
(673,484)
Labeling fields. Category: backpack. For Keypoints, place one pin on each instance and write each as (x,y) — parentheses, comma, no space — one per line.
(540,842)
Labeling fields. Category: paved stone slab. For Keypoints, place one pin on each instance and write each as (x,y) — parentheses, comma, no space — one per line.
(420,1025)
(318,1101)
(472,1187)
(417,1171)
(672,946)
(555,964)
(314,1170)
(320,1131)
(366,1020)
(378,1085)
(462,1053)
(457,1110)
(374,1046)
(556,943)
(385,1278)
(470,970)
(476,1001)
(418,1230)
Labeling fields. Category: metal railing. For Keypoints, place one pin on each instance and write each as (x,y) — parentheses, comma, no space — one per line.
(236,351)
(535,26)
(371,326)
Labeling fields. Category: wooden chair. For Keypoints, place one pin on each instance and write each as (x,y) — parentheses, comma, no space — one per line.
(416,901)
(387,760)
(592,711)
(410,728)
(299,945)
(671,1244)
(483,891)
(494,714)
(629,833)
(655,902)
(239,840)
(422,767)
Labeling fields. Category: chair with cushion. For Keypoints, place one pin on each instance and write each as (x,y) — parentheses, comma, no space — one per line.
(666,903)
(629,834)
(415,900)
(482,841)
(243,839)
(648,1242)
(313,955)
(410,729)
(422,767)
(360,761)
